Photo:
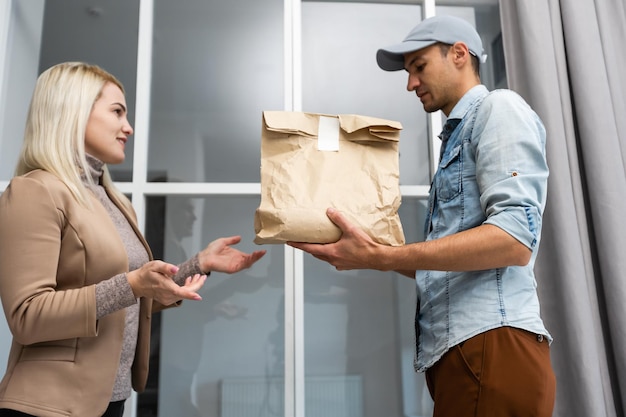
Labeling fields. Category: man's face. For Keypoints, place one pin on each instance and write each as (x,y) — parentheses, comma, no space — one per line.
(432,76)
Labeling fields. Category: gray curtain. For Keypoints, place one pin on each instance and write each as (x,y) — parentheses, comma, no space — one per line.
(568,59)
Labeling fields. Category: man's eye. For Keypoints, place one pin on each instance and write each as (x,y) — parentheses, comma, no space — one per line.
(420,68)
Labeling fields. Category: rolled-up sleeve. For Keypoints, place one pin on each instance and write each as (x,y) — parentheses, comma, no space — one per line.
(512,172)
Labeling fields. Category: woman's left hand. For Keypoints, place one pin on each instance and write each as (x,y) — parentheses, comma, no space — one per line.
(219,256)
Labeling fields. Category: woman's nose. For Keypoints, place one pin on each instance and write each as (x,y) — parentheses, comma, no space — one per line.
(127,128)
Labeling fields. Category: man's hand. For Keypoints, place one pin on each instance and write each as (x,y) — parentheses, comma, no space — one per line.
(354,250)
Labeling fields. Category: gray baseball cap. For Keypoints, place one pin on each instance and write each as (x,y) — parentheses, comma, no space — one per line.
(444,29)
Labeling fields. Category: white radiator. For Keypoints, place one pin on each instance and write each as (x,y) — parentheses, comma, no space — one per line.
(325,396)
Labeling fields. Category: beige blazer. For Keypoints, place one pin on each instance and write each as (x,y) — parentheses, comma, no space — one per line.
(53,251)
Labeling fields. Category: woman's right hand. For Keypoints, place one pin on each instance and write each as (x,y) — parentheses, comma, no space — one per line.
(154,280)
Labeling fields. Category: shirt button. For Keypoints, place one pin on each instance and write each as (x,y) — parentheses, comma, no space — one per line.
(539,338)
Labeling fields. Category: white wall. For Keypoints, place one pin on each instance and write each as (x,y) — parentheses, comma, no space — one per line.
(21,58)
(5,14)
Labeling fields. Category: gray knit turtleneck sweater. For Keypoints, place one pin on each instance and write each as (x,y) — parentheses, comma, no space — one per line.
(115,293)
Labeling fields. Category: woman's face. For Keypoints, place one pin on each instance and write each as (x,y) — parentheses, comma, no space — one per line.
(108,128)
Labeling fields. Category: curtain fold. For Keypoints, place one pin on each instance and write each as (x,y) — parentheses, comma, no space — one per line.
(565,58)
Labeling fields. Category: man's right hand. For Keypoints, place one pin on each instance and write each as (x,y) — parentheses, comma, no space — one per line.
(354,250)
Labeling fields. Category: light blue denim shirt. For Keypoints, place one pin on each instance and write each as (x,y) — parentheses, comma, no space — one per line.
(493,170)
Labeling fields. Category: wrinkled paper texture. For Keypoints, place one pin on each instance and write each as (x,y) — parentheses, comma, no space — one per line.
(299,181)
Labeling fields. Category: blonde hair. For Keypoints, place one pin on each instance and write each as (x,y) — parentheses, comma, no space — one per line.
(54,137)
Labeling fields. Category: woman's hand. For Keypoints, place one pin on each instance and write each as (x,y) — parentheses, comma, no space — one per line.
(219,256)
(154,280)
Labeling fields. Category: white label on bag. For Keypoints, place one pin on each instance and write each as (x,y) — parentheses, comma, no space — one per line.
(328,134)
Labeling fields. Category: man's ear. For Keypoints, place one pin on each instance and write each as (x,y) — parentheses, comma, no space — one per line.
(461,53)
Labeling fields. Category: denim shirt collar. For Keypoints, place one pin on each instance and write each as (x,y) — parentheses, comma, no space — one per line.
(466,102)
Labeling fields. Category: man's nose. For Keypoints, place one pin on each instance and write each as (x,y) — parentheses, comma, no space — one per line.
(412,83)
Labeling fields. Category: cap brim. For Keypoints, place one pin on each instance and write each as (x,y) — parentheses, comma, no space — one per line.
(391,58)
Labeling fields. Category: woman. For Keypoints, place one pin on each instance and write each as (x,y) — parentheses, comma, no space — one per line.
(77,281)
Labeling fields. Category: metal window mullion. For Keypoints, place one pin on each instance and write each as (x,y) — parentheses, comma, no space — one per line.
(429,8)
(142,109)
(294,269)
(434,119)
(294,333)
(142,127)
(200,189)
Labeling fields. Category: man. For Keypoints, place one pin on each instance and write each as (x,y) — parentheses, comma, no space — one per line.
(480,337)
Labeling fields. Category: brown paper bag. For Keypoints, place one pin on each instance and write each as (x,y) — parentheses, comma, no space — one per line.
(310,162)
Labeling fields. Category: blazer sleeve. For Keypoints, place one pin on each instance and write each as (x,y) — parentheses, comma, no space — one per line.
(37,305)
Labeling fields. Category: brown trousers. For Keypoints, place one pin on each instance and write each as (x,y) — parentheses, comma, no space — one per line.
(505,372)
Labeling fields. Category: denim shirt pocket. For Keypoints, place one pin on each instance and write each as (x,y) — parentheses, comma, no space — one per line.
(448,180)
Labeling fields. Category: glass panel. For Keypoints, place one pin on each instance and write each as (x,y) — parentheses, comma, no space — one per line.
(340,74)
(225,353)
(359,338)
(484,15)
(105,35)
(216,66)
